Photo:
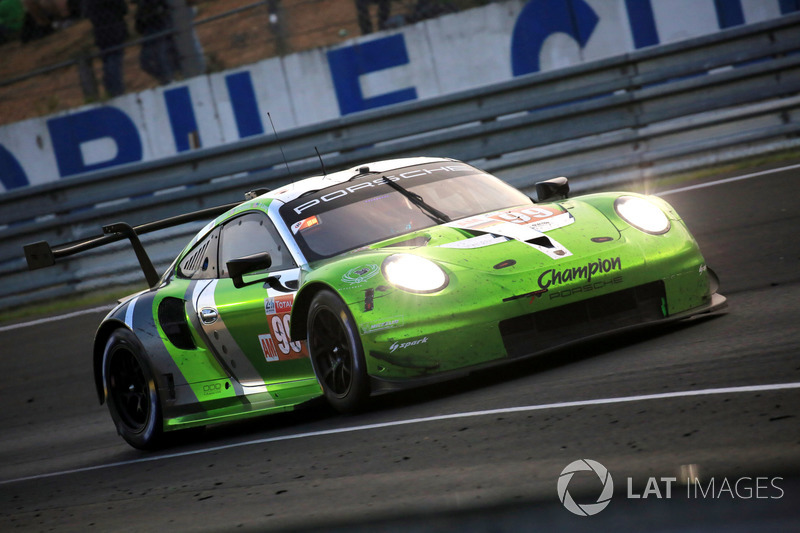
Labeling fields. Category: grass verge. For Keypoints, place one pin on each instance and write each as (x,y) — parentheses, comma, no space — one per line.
(67,305)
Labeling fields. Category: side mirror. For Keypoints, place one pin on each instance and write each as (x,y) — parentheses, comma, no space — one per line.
(554,189)
(238,268)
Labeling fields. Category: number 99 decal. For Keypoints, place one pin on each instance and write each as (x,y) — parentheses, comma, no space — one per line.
(280,332)
(277,345)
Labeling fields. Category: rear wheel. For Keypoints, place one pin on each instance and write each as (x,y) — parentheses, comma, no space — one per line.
(336,353)
(131,391)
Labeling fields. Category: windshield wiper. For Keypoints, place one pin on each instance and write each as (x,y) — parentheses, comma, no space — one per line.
(416,199)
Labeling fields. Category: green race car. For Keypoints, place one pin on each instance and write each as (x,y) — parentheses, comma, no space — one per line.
(384,276)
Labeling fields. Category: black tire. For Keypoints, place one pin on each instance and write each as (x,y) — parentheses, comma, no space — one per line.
(336,353)
(131,391)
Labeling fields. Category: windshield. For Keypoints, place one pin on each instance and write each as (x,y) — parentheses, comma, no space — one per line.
(367,210)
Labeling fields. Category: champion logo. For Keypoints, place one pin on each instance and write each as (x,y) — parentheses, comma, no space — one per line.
(557,277)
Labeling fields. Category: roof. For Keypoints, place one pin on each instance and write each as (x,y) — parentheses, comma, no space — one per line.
(287,193)
(290,192)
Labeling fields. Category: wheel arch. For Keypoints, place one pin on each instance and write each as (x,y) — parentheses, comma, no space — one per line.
(336,352)
(302,302)
(100,340)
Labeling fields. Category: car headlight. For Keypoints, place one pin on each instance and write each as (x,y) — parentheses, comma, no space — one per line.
(642,215)
(414,274)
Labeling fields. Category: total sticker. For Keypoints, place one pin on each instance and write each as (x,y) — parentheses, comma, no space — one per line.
(278,304)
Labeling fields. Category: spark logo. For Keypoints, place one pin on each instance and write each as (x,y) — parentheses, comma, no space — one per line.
(398,345)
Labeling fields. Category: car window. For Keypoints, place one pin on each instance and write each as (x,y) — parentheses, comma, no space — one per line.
(201,261)
(365,210)
(251,234)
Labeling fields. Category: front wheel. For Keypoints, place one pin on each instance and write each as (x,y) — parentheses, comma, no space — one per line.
(336,353)
(131,391)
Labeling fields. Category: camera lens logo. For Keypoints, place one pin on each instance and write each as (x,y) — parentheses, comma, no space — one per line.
(590,508)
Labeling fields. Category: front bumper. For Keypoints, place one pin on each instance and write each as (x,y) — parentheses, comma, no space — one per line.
(484,319)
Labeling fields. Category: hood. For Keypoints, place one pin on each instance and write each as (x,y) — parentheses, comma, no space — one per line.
(532,236)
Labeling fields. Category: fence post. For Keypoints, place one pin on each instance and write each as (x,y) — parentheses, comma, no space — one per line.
(87,79)
(189,50)
(278,26)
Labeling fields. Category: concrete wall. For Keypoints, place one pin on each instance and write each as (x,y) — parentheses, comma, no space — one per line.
(477,47)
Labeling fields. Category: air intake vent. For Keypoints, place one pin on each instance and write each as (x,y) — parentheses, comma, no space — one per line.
(192,262)
(172,317)
(541,241)
(543,330)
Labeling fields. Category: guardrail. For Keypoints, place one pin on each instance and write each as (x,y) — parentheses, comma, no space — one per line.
(618,119)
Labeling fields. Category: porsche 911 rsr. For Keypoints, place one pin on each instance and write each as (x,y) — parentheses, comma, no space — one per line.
(376,278)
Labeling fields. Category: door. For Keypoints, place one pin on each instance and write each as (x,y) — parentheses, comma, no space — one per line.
(248,328)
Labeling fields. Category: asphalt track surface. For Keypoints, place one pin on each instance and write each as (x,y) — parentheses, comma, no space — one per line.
(716,397)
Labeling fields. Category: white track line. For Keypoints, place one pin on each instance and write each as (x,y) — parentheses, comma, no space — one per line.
(454,416)
(728,180)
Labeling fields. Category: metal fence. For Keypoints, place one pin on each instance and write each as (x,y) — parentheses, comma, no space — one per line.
(625,118)
(71,52)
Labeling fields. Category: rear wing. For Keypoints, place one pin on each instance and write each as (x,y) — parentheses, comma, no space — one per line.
(42,255)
